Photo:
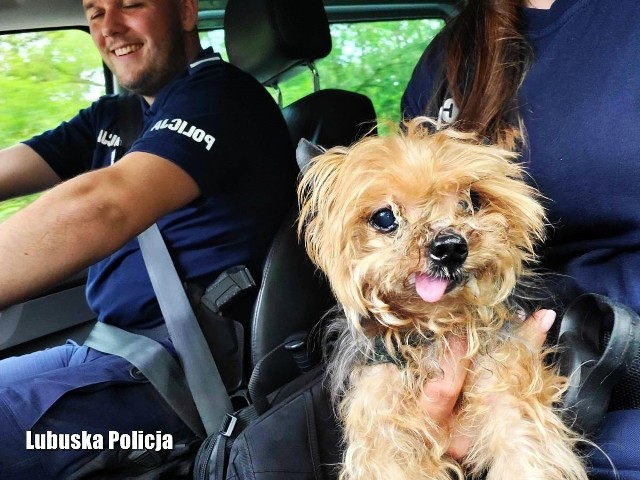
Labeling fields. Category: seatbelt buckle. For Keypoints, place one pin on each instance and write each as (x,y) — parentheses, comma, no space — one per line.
(228,424)
(229,284)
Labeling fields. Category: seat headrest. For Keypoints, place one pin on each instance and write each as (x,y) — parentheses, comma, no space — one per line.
(270,38)
(330,117)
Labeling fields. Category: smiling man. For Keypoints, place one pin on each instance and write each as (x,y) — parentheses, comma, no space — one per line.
(212,140)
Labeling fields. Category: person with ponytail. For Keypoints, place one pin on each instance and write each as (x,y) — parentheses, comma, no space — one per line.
(559,82)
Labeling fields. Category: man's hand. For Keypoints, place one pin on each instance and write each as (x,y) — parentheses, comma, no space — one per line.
(23,171)
(440,397)
(82,220)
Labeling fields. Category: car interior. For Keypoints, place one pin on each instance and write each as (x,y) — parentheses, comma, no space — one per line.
(275,41)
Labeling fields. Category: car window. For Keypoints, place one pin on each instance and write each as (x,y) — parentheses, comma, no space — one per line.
(372,58)
(45,78)
(215,40)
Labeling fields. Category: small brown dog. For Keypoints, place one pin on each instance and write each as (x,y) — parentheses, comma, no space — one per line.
(424,237)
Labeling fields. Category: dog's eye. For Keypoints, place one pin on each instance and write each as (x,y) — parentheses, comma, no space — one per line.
(472,204)
(384,220)
(476,201)
(464,206)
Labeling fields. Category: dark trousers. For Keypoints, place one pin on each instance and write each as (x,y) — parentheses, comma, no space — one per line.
(52,395)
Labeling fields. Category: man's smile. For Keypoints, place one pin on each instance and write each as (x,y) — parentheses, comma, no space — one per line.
(127,49)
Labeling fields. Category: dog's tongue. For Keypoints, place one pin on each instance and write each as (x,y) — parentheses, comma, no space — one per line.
(429,288)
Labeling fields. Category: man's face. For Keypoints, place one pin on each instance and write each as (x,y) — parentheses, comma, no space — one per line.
(142,42)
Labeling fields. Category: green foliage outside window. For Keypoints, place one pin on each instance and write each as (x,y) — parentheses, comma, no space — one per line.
(374,58)
(45,78)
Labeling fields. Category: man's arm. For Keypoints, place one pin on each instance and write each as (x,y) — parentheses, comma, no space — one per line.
(23,171)
(83,220)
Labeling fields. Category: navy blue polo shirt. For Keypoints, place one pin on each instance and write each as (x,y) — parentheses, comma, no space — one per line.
(219,125)
(580,104)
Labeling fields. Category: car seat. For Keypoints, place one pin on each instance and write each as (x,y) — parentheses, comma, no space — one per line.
(274,40)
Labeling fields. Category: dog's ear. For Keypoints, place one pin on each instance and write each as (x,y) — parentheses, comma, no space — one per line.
(306,152)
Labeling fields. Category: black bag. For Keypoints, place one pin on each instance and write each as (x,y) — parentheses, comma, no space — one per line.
(296,437)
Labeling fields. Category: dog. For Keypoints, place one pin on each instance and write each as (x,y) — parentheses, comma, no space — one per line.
(426,235)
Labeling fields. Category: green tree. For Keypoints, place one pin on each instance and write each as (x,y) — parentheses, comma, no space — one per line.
(45,78)
(372,58)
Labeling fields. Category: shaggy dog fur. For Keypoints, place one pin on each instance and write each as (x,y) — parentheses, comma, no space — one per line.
(425,237)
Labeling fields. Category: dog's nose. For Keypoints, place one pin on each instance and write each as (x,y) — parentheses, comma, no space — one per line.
(449,250)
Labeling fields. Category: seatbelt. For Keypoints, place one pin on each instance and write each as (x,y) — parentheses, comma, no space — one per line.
(155,363)
(203,380)
(130,121)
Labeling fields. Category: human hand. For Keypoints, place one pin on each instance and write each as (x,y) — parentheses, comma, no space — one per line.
(440,397)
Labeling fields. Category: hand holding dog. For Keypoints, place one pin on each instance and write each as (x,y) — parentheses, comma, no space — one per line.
(440,397)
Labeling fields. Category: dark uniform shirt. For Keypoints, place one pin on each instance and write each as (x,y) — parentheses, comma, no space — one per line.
(221,127)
